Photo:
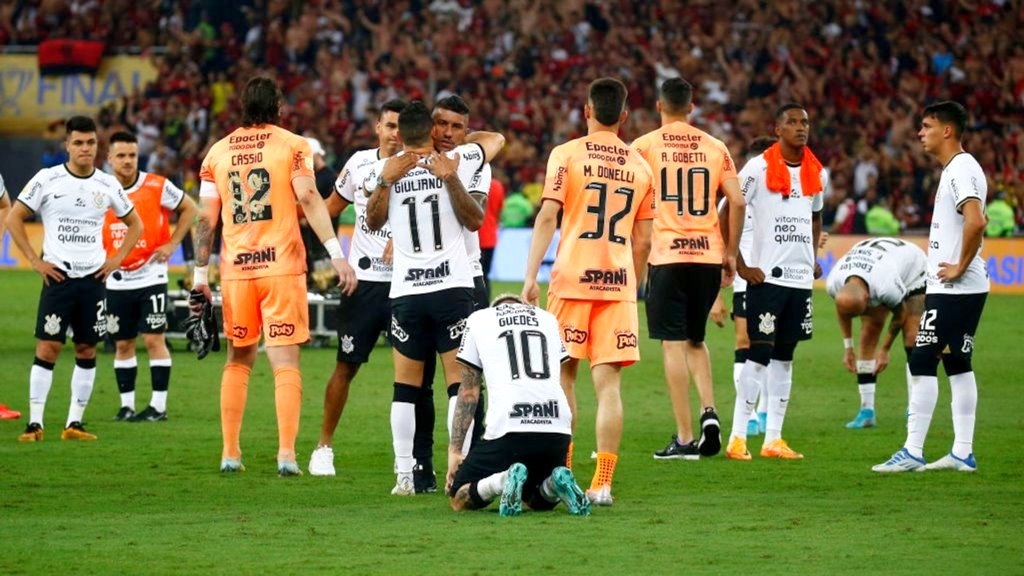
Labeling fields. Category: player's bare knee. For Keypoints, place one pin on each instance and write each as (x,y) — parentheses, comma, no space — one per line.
(85,351)
(124,348)
(48,351)
(156,345)
(244,355)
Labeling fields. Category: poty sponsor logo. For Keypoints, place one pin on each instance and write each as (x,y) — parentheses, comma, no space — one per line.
(239,332)
(625,340)
(574,336)
(282,329)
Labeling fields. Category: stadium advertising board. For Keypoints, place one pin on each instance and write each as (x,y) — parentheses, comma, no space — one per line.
(29,101)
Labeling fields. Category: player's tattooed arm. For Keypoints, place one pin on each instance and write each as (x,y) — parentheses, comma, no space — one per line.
(470,212)
(480,198)
(209,213)
(465,406)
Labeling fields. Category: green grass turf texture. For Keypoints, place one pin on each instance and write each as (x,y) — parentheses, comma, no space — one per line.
(147,498)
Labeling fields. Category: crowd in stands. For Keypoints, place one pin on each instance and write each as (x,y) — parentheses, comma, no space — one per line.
(864,70)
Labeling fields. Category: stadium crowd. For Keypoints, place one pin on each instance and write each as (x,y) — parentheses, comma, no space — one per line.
(862,70)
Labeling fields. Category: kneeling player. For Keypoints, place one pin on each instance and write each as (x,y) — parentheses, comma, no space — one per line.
(876,276)
(528,424)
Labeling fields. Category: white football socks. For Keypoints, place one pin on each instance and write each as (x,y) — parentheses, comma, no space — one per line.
(39,381)
(780,382)
(403,428)
(964,390)
(489,488)
(746,396)
(82,380)
(922,406)
(127,398)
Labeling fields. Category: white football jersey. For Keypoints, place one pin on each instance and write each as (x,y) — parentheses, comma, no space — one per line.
(3,189)
(481,183)
(152,273)
(366,254)
(519,349)
(891,267)
(739,285)
(962,180)
(782,239)
(429,246)
(72,210)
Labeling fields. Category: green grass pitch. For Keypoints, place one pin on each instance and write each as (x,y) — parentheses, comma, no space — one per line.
(147,498)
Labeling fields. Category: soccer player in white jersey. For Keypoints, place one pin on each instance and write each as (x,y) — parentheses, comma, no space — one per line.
(367,312)
(423,195)
(958,284)
(877,276)
(514,346)
(758,417)
(137,293)
(72,200)
(784,189)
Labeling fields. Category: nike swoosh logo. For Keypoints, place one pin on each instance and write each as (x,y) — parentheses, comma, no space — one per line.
(58,196)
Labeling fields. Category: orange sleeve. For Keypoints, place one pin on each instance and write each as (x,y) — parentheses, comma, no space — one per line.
(728,166)
(206,171)
(647,209)
(302,158)
(642,145)
(556,181)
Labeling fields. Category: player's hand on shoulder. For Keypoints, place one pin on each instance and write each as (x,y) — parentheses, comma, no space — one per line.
(397,166)
(48,271)
(347,280)
(440,165)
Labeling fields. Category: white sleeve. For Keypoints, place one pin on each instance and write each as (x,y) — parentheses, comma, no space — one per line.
(118,200)
(33,192)
(369,184)
(748,181)
(345,185)
(468,351)
(818,202)
(967,185)
(171,196)
(208,189)
(892,291)
(3,189)
(480,181)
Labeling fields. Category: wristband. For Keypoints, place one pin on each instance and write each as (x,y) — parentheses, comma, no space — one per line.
(334,249)
(848,343)
(201,275)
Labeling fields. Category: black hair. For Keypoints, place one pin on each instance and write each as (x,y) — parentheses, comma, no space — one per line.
(676,96)
(454,102)
(607,100)
(786,108)
(79,124)
(395,105)
(949,112)
(261,102)
(123,136)
(415,124)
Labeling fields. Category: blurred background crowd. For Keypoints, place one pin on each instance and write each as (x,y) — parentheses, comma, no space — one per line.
(864,70)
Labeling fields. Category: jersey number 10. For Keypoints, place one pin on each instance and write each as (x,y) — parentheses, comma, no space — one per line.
(527,356)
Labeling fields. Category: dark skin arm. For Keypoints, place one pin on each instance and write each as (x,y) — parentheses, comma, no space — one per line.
(816,233)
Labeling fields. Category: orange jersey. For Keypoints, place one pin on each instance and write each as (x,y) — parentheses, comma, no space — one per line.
(150,200)
(689,166)
(604,187)
(252,169)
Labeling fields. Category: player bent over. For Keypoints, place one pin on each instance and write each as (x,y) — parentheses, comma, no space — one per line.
(877,276)
(528,422)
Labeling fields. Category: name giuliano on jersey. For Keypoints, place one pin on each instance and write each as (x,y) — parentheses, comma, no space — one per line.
(366,255)
(518,348)
(891,268)
(154,197)
(962,180)
(481,183)
(746,244)
(782,238)
(429,246)
(72,209)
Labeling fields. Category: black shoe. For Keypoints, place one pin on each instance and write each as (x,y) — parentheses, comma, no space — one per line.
(124,414)
(677,451)
(423,478)
(710,442)
(149,415)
